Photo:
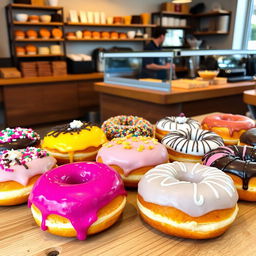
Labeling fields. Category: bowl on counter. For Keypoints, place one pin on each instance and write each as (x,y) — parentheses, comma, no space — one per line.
(208,74)
(22,17)
(45,18)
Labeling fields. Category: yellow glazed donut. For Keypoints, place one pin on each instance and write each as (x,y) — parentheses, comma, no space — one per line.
(76,141)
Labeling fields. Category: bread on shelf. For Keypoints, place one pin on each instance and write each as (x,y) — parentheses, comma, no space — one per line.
(57,33)
(19,34)
(87,34)
(31,49)
(20,50)
(31,34)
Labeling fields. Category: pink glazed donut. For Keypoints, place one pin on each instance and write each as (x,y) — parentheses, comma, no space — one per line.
(78,199)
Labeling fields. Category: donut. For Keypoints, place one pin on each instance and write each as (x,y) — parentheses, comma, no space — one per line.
(132,157)
(18,138)
(121,126)
(239,162)
(19,170)
(229,127)
(173,123)
(187,200)
(81,199)
(190,145)
(248,138)
(74,142)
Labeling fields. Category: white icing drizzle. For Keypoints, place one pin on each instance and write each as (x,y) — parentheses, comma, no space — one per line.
(192,188)
(173,123)
(192,141)
(200,201)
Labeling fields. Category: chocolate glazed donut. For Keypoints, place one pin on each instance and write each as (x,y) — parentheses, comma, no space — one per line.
(20,143)
(237,160)
(249,137)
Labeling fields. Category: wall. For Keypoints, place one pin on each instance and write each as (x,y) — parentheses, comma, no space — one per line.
(115,8)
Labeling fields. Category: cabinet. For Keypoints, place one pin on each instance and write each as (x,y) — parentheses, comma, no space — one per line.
(212,23)
(14,25)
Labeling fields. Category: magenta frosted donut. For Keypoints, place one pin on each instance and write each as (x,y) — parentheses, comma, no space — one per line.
(78,201)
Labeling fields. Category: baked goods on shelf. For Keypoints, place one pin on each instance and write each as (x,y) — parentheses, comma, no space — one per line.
(45,33)
(33,18)
(187,200)
(87,34)
(122,36)
(43,50)
(173,123)
(59,68)
(190,145)
(114,35)
(20,51)
(95,34)
(239,162)
(31,49)
(31,34)
(28,69)
(248,138)
(105,35)
(132,157)
(10,73)
(57,33)
(81,199)
(71,35)
(76,141)
(20,169)
(19,34)
(121,126)
(18,138)
(230,127)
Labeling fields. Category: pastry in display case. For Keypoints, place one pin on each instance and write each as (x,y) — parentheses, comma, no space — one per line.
(57,33)
(96,35)
(31,49)
(44,33)
(70,35)
(20,51)
(31,34)
(33,18)
(19,34)
(87,34)
(105,35)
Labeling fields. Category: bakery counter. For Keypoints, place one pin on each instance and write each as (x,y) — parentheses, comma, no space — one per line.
(129,236)
(38,100)
(118,99)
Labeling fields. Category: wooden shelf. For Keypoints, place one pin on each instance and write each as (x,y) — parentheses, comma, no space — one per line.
(171,13)
(29,6)
(39,40)
(27,23)
(110,40)
(109,25)
(205,33)
(213,13)
(40,55)
(177,27)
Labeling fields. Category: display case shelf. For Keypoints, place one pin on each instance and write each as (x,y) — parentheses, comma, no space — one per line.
(40,55)
(35,7)
(110,25)
(39,40)
(27,23)
(109,40)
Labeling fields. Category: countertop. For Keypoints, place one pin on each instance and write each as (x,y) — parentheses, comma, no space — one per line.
(20,236)
(177,94)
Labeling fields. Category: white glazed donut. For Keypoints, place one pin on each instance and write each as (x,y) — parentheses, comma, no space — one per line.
(173,123)
(187,200)
(190,145)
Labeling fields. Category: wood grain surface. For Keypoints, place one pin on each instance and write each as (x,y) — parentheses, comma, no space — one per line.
(250,97)
(20,236)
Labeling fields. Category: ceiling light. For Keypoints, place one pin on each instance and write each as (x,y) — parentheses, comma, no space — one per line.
(181,1)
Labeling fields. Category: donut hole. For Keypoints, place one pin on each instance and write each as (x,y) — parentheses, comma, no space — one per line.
(190,178)
(75,178)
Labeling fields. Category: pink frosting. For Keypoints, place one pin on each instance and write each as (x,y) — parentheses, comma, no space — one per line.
(22,175)
(133,153)
(213,157)
(77,192)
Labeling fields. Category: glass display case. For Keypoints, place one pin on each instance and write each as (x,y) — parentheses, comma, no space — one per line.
(134,68)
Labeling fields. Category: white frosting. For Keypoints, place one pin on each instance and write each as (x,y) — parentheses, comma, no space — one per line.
(192,141)
(76,124)
(173,123)
(192,188)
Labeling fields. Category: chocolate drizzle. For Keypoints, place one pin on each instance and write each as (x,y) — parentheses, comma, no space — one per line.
(188,139)
(237,160)
(67,129)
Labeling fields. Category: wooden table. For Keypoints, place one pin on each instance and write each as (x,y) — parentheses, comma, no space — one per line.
(20,236)
(150,104)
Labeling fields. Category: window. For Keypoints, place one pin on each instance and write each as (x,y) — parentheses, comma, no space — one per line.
(252,28)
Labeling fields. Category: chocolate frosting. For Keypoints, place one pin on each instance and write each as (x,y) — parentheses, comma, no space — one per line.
(19,144)
(236,160)
(249,137)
